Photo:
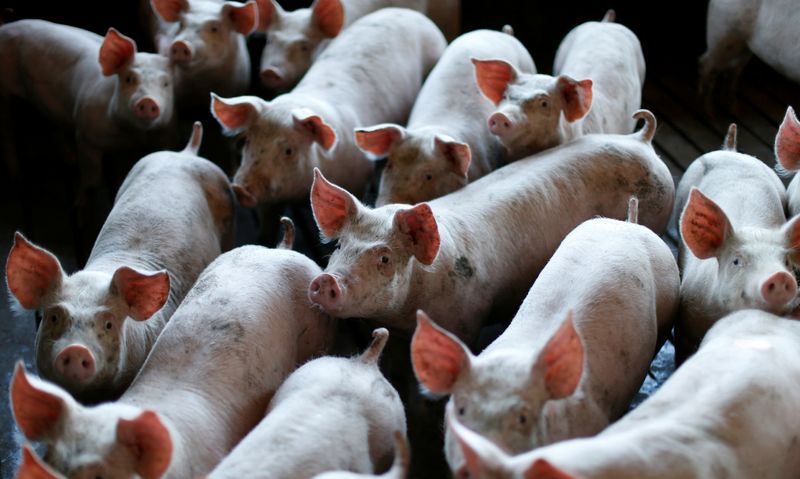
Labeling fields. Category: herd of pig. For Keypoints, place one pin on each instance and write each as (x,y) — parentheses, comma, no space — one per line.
(174,354)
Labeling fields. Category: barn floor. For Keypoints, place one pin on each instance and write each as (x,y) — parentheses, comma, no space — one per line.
(40,202)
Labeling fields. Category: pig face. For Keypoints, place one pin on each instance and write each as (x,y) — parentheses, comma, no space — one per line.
(501,394)
(370,272)
(754,264)
(530,107)
(81,338)
(110,440)
(143,94)
(293,39)
(421,165)
(280,147)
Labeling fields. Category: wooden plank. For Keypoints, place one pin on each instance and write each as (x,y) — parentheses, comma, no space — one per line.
(785,91)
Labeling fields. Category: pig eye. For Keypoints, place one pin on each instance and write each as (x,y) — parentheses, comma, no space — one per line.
(288,151)
(214,29)
(304,47)
(53,318)
(166,84)
(461,411)
(129,79)
(736,261)
(384,259)
(522,419)
(544,104)
(428,177)
(109,325)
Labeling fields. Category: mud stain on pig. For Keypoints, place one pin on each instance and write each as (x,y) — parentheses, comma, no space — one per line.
(463,268)
(231,330)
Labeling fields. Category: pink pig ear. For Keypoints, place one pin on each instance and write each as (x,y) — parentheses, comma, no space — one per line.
(787,142)
(268,10)
(379,139)
(33,467)
(244,18)
(704,226)
(307,121)
(31,272)
(458,155)
(332,206)
(150,444)
(169,10)
(144,293)
(542,469)
(234,114)
(791,231)
(577,97)
(493,77)
(328,16)
(116,52)
(438,357)
(419,226)
(38,408)
(561,361)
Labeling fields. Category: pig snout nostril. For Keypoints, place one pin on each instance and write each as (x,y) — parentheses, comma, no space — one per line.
(771,286)
(332,293)
(506,124)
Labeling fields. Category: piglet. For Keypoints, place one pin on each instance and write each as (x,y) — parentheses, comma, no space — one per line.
(172,216)
(370,74)
(331,414)
(446,142)
(617,284)
(399,470)
(787,154)
(737,244)
(600,69)
(203,386)
(719,415)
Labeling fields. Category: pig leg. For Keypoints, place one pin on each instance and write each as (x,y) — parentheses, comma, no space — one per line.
(7,132)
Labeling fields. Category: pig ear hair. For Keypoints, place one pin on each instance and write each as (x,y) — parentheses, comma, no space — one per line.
(478,451)
(116,52)
(560,363)
(31,272)
(234,114)
(196,139)
(704,226)
(331,205)
(493,77)
(373,353)
(377,140)
(328,16)
(542,469)
(244,18)
(38,406)
(787,142)
(577,97)
(150,443)
(419,227)
(730,138)
(33,467)
(144,293)
(458,154)
(437,356)
(268,10)
(169,10)
(307,121)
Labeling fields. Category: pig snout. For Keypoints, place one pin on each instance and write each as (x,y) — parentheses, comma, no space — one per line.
(779,289)
(246,199)
(180,52)
(272,77)
(325,291)
(147,108)
(500,124)
(76,363)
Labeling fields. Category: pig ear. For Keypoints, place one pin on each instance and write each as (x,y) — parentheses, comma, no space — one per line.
(379,139)
(458,154)
(150,443)
(268,10)
(328,16)
(144,293)
(312,124)
(542,469)
(116,52)
(169,10)
(704,226)
(787,142)
(38,407)
(418,225)
(31,272)
(332,206)
(244,18)
(234,114)
(438,357)
(561,361)
(493,77)
(577,97)
(33,467)
(480,454)
(791,231)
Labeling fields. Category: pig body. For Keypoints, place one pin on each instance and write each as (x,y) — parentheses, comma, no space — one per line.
(719,415)
(205,381)
(351,425)
(396,259)
(600,68)
(124,100)
(351,84)
(446,142)
(146,256)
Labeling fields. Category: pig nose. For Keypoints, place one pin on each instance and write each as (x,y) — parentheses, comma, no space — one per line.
(272,77)
(499,124)
(325,291)
(147,108)
(246,199)
(75,362)
(180,52)
(779,289)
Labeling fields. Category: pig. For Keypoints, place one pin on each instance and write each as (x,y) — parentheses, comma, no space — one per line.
(111,95)
(351,84)
(561,378)
(399,468)
(787,154)
(476,251)
(350,426)
(205,39)
(719,415)
(446,143)
(203,386)
(736,244)
(600,68)
(99,323)
(738,28)
(296,39)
